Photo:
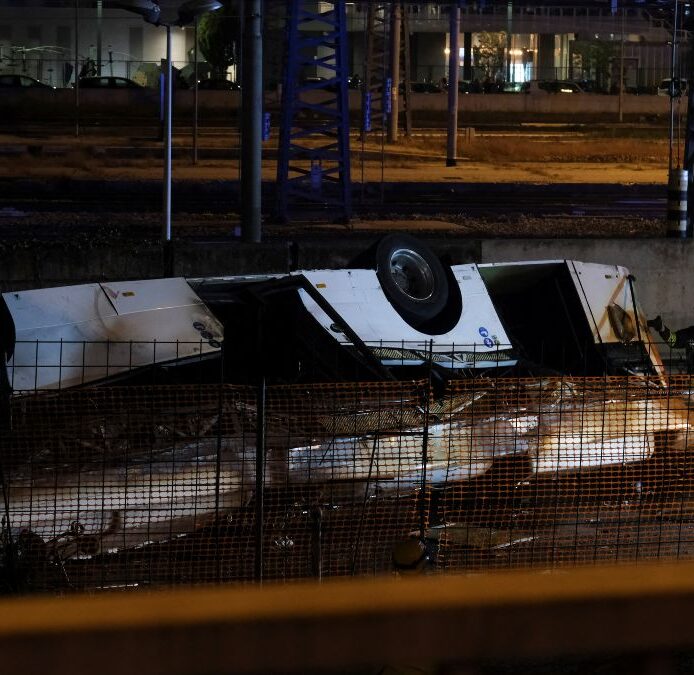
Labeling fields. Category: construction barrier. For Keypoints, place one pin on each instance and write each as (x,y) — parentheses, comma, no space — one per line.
(131,486)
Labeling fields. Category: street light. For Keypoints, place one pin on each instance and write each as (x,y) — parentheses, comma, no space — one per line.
(188,12)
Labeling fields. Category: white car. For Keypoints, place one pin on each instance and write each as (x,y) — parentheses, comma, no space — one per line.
(675,88)
(551,87)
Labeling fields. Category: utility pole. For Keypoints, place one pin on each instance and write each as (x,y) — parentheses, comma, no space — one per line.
(453,76)
(166,226)
(252,122)
(99,17)
(395,31)
(621,73)
(689,141)
(673,63)
(77,67)
(509,36)
(195,91)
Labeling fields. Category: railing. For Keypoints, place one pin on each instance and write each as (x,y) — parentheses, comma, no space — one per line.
(163,484)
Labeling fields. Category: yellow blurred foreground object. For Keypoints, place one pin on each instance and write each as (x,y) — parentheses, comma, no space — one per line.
(582,612)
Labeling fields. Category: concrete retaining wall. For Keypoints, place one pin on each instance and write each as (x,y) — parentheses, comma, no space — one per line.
(40,104)
(662,267)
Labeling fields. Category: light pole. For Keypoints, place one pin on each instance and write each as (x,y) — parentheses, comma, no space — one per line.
(187,13)
(195,92)
(77,66)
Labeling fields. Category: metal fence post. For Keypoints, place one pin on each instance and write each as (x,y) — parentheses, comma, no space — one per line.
(425,446)
(218,474)
(259,480)
(317,542)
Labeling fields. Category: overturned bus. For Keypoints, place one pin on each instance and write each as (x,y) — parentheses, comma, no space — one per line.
(401,314)
(104,484)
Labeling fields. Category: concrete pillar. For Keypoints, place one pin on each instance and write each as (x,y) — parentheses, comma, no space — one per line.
(545,56)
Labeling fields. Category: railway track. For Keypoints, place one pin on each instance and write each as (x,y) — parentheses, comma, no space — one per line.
(374,199)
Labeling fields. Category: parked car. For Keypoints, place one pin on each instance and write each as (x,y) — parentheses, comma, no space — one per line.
(318,83)
(426,88)
(675,88)
(464,87)
(513,87)
(551,87)
(219,84)
(591,86)
(108,82)
(11,81)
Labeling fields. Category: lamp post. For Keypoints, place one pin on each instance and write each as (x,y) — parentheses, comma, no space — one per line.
(195,92)
(77,66)
(187,13)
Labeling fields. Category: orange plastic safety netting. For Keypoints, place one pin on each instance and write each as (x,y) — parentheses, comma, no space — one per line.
(158,485)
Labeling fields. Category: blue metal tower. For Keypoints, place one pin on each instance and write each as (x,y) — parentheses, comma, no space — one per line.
(313,168)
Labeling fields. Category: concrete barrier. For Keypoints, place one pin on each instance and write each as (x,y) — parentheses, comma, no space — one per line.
(662,267)
(46,105)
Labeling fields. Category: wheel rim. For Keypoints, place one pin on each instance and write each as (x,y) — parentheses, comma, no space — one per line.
(412,274)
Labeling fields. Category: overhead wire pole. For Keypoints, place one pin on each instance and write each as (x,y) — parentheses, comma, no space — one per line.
(395,35)
(77,66)
(621,71)
(239,77)
(509,38)
(252,122)
(453,77)
(405,62)
(673,60)
(99,18)
(313,167)
(374,104)
(689,139)
(195,91)
(166,229)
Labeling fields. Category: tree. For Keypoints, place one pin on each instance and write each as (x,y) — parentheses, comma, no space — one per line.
(489,53)
(218,36)
(595,59)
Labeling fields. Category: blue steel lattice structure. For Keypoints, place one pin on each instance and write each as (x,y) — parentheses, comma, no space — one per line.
(313,168)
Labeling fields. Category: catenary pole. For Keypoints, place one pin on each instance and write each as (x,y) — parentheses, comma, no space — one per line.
(166,229)
(689,141)
(509,39)
(673,63)
(621,70)
(251,121)
(195,91)
(395,30)
(99,31)
(453,76)
(77,67)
